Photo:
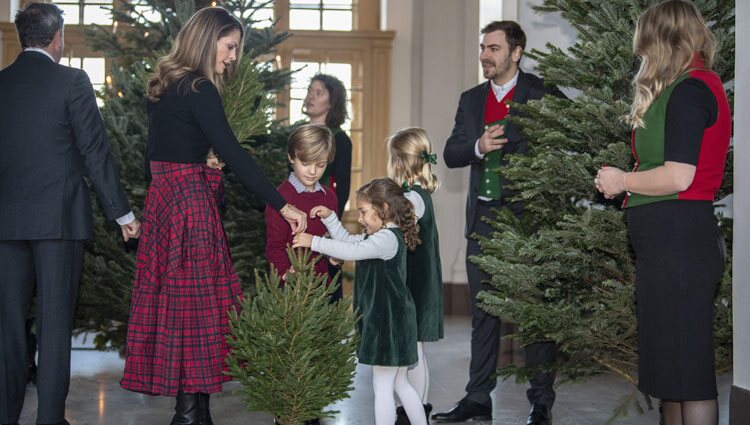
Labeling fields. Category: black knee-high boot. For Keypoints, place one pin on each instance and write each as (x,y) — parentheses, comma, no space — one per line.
(203,400)
(186,410)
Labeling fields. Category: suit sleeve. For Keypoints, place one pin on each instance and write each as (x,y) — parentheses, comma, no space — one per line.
(459,152)
(91,139)
(343,170)
(209,113)
(278,235)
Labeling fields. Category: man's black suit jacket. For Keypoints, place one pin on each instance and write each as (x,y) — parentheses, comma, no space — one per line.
(51,136)
(469,126)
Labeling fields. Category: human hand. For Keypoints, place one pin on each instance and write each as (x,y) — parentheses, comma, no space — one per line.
(296,218)
(489,141)
(131,230)
(610,181)
(302,240)
(335,261)
(213,161)
(291,270)
(320,211)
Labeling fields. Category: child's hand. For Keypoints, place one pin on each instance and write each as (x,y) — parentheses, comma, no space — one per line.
(288,272)
(213,161)
(335,261)
(320,211)
(302,240)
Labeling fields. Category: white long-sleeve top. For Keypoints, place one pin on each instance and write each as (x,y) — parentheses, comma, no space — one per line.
(417,201)
(382,244)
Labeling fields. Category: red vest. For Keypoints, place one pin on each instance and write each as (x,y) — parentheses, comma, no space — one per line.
(494,110)
(709,171)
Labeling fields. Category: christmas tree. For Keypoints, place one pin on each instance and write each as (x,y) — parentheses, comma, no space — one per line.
(142,32)
(566,272)
(292,349)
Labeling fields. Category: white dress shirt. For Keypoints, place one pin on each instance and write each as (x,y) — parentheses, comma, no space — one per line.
(36,49)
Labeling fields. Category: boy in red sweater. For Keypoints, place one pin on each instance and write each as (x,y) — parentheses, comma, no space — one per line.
(310,148)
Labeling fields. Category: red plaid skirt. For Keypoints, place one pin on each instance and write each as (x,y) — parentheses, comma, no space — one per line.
(185,284)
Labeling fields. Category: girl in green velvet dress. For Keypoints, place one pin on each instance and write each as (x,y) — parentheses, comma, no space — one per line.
(388,324)
(410,161)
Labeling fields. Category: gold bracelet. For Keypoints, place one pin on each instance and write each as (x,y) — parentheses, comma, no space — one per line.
(285,209)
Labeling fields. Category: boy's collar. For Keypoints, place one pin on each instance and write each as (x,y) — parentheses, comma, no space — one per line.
(300,187)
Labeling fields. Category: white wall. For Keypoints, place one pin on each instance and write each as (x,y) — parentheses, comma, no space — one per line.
(8,10)
(741,247)
(435,58)
(541,29)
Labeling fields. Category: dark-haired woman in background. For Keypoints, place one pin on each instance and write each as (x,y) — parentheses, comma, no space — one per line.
(325,104)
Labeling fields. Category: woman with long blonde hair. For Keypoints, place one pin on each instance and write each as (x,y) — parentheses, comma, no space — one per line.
(410,161)
(681,129)
(185,282)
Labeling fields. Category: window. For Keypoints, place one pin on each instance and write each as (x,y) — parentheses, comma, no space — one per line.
(261,17)
(143,12)
(327,15)
(86,12)
(353,84)
(94,67)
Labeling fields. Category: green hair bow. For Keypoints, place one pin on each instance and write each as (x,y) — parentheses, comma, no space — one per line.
(429,158)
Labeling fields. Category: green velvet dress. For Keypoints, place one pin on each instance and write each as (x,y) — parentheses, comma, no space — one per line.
(388,325)
(424,275)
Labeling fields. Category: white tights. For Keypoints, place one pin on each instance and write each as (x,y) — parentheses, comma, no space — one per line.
(419,376)
(386,380)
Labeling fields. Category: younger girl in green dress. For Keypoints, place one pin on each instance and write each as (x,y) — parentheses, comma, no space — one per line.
(388,326)
(410,161)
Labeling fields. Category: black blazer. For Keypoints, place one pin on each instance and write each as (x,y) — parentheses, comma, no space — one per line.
(469,126)
(51,136)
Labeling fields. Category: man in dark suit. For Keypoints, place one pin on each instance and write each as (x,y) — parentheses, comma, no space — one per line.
(481,139)
(51,137)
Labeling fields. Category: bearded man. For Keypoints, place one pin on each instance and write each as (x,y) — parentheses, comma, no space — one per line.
(481,139)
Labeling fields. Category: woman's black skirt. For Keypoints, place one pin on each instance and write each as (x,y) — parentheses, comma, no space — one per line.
(678,267)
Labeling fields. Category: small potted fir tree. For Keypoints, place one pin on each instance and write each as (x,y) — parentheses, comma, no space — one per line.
(291,349)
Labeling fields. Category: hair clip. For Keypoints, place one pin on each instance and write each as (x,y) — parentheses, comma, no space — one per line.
(429,158)
(405,186)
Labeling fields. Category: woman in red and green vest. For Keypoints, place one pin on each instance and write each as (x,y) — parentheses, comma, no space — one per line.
(681,130)
(325,104)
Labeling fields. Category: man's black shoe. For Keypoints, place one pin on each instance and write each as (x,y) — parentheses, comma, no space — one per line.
(539,415)
(465,410)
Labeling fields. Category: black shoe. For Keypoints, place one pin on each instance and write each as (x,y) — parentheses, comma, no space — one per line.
(205,411)
(402,419)
(187,409)
(539,415)
(464,411)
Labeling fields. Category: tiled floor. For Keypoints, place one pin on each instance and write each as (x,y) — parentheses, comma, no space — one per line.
(96,398)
